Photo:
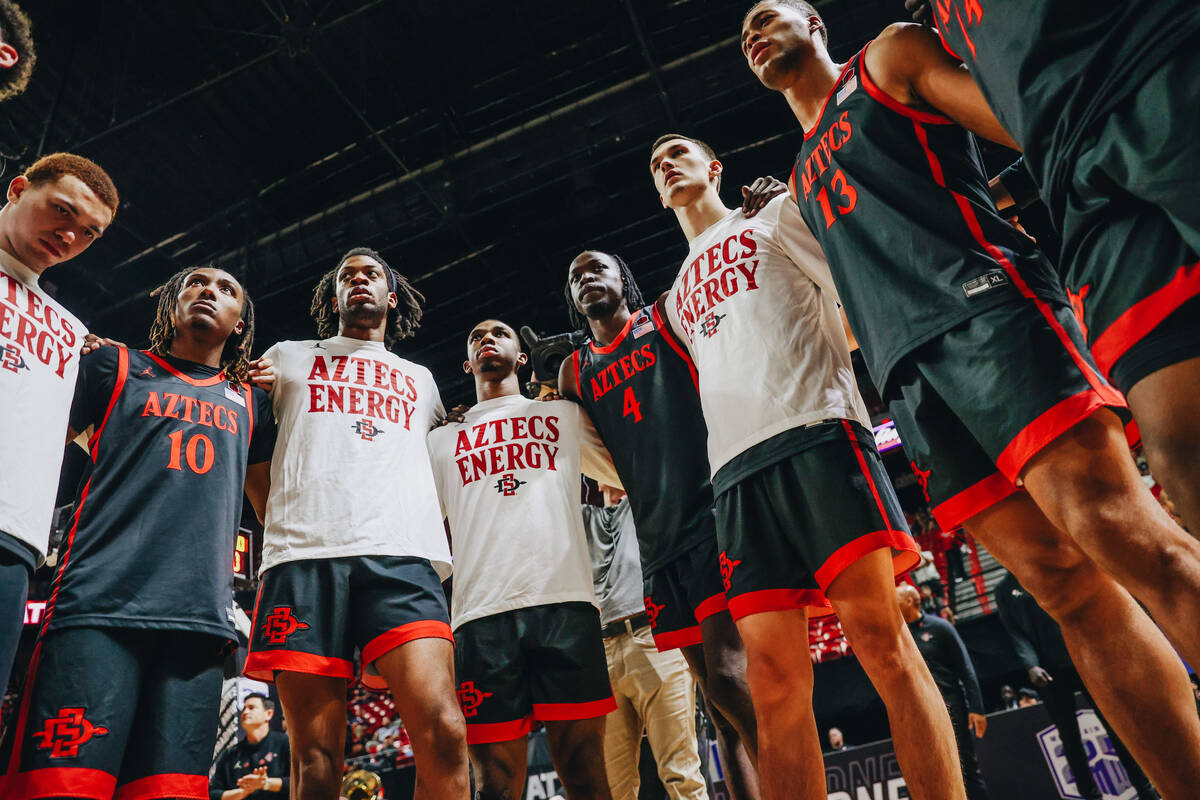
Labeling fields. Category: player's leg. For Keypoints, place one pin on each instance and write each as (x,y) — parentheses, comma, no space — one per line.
(1103,625)
(863,595)
(577,748)
(740,768)
(76,715)
(14,588)
(401,623)
(315,708)
(500,769)
(171,748)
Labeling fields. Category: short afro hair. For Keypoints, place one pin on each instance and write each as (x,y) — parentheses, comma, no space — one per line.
(16,31)
(705,148)
(52,167)
(801,6)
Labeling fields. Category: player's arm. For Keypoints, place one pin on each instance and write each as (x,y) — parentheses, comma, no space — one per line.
(596,461)
(257,484)
(568,382)
(258,487)
(909,63)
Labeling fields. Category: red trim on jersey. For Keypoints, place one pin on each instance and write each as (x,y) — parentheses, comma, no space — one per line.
(620,337)
(669,338)
(263,664)
(713,605)
(946,44)
(673,640)
(88,784)
(1133,434)
(491,732)
(213,381)
(757,602)
(118,387)
(568,711)
(249,396)
(908,558)
(169,784)
(403,634)
(1144,316)
(895,105)
(1048,426)
(821,113)
(575,363)
(953,512)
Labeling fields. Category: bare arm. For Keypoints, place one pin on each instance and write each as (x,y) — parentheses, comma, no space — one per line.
(258,486)
(909,63)
(850,339)
(568,385)
(596,461)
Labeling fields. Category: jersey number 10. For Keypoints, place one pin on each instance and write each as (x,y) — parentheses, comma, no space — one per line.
(198,463)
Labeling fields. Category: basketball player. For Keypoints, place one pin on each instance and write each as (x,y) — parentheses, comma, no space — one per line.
(969,337)
(54,211)
(354,551)
(1105,111)
(16,50)
(525,616)
(123,691)
(806,516)
(639,386)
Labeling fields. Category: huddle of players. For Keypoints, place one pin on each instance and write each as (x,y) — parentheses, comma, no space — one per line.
(1012,428)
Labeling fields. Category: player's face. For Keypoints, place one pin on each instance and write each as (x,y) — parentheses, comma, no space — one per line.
(775,40)
(492,346)
(596,286)
(210,300)
(362,288)
(682,172)
(51,222)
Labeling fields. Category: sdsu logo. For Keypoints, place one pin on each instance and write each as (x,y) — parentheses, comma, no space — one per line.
(280,624)
(11,359)
(652,611)
(922,478)
(508,485)
(366,430)
(469,698)
(63,734)
(709,325)
(727,569)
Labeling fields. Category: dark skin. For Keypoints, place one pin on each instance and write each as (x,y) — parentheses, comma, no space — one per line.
(1086,533)
(576,746)
(419,673)
(719,662)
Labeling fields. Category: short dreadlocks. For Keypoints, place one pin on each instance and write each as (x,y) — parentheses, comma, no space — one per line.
(629,291)
(403,320)
(235,357)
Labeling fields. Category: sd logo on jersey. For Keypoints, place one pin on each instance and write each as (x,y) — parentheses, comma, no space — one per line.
(367,430)
(508,484)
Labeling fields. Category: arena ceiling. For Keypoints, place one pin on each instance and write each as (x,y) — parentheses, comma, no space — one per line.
(478,145)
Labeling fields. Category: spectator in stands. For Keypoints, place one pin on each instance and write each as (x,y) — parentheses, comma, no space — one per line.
(1008,697)
(1027,697)
(954,675)
(654,690)
(837,742)
(1040,646)
(257,767)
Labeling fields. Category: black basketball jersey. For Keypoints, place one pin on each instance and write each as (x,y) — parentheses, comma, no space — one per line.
(898,200)
(642,394)
(1051,68)
(152,541)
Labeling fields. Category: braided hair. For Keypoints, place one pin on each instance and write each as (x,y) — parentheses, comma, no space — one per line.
(629,292)
(402,321)
(235,357)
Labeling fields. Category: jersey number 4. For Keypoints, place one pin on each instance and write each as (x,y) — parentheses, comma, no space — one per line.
(631,405)
(198,461)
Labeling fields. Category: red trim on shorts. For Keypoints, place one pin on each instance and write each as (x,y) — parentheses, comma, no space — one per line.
(743,605)
(620,337)
(673,640)
(953,512)
(91,784)
(403,634)
(1144,316)
(212,381)
(568,711)
(490,732)
(664,328)
(1045,428)
(261,665)
(821,113)
(852,551)
(862,465)
(713,605)
(886,99)
(171,784)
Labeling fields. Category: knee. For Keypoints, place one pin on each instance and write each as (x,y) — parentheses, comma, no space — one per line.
(884,649)
(725,686)
(583,772)
(446,736)
(314,758)
(775,679)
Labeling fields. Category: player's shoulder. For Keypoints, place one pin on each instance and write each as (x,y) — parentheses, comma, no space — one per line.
(900,48)
(105,359)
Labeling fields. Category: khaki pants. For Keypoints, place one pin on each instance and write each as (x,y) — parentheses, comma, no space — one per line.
(655,692)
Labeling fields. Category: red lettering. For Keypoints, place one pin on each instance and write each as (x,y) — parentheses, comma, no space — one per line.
(319,370)
(152,408)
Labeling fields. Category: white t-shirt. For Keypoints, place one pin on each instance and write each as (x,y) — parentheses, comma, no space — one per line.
(39,361)
(756,305)
(508,476)
(350,475)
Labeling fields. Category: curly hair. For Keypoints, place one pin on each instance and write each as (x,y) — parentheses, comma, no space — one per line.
(16,30)
(402,321)
(235,357)
(630,292)
(54,166)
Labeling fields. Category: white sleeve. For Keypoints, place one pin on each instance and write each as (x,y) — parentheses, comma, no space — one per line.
(798,243)
(437,411)
(436,467)
(594,458)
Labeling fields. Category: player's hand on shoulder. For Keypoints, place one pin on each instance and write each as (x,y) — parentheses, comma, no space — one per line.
(921,10)
(756,196)
(92,343)
(456,414)
(263,374)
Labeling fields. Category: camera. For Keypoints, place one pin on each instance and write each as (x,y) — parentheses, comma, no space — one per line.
(546,353)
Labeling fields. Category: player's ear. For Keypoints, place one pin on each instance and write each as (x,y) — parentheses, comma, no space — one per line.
(239,327)
(467,367)
(522,359)
(715,168)
(663,201)
(392,301)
